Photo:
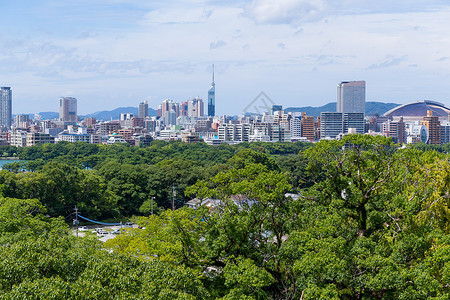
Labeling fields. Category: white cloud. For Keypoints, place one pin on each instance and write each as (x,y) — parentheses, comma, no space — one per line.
(285,11)
(389,61)
(254,46)
(298,12)
(217,44)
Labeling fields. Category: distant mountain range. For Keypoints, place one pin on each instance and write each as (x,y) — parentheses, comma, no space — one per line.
(372,108)
(115,114)
(47,115)
(100,115)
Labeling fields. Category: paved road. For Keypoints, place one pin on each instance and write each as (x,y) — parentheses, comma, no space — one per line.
(104,238)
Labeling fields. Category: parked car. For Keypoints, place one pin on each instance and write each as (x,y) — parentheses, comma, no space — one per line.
(97,230)
(83,228)
(116,231)
(128,224)
(102,233)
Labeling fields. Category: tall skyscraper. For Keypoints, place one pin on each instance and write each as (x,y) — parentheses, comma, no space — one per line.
(195,108)
(143,110)
(351,97)
(68,109)
(212,98)
(167,105)
(5,107)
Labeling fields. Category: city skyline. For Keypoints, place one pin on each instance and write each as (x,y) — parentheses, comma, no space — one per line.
(296,51)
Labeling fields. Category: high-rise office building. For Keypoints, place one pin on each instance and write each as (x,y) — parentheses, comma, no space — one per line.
(68,109)
(5,107)
(212,98)
(353,120)
(331,124)
(351,97)
(143,110)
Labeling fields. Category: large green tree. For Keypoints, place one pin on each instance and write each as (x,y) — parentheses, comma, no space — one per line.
(360,233)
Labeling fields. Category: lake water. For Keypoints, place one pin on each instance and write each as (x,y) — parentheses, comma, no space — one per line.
(7,161)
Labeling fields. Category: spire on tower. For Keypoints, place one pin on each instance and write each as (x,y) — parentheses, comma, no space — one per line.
(212,97)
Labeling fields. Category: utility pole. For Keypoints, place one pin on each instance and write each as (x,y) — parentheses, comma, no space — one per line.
(76,222)
(173,197)
(153,198)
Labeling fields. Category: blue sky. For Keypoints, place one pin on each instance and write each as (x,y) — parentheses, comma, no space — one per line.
(111,53)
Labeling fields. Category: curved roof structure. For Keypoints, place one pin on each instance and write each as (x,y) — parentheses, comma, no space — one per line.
(419,109)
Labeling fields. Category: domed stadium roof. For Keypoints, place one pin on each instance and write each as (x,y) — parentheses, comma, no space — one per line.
(419,109)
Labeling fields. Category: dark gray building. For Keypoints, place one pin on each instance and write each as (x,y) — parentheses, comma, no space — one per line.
(331,124)
(5,107)
(353,120)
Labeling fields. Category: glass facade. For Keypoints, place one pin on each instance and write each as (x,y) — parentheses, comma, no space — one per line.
(351,97)
(212,98)
(5,107)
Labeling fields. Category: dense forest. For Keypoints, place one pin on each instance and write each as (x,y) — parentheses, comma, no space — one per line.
(111,181)
(370,220)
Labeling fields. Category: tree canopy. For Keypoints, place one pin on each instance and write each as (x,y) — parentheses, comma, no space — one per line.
(358,218)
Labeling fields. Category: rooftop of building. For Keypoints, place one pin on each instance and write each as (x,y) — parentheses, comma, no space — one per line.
(419,109)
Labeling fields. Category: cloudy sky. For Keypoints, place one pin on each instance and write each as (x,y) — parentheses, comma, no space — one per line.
(111,53)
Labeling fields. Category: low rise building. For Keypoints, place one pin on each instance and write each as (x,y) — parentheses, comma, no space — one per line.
(74,137)
(18,138)
(34,138)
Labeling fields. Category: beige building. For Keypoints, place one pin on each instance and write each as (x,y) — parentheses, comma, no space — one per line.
(34,138)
